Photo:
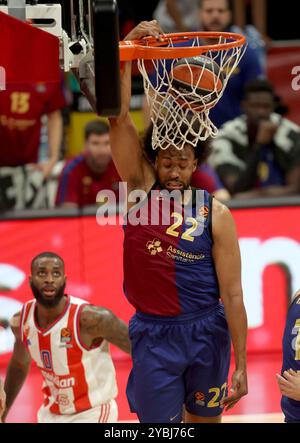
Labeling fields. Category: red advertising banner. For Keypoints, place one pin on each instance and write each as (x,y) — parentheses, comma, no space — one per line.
(269,241)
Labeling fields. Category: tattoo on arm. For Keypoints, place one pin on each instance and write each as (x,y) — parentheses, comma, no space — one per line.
(99,322)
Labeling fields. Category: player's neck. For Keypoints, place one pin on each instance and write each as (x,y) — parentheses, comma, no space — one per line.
(46,316)
(186,195)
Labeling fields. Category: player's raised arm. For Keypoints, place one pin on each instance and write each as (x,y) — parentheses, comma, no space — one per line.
(97,322)
(228,267)
(18,366)
(127,152)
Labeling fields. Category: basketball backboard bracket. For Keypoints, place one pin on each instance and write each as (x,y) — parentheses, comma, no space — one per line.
(88,33)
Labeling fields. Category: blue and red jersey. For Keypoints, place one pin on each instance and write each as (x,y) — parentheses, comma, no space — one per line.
(291,357)
(80,185)
(168,263)
(21,109)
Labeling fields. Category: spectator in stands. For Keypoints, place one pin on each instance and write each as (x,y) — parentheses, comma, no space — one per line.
(87,174)
(205,177)
(256,30)
(21,109)
(216,16)
(177,15)
(258,154)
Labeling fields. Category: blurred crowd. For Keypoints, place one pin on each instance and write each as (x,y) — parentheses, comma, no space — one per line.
(255,154)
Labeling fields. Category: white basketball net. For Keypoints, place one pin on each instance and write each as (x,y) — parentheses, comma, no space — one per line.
(175,121)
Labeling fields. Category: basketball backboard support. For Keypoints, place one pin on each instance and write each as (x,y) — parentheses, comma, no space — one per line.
(36,61)
(106,53)
(88,36)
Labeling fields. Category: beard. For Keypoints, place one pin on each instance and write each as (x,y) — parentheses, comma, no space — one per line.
(48,302)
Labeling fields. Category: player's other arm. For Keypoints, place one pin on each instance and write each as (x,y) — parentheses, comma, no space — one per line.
(55,133)
(18,366)
(2,399)
(228,267)
(289,384)
(127,153)
(97,322)
(289,381)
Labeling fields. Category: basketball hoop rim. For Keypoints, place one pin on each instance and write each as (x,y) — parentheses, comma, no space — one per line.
(150,48)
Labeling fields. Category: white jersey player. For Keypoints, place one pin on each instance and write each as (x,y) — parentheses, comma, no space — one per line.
(68,340)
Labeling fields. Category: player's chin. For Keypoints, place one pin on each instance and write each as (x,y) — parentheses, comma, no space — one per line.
(175,185)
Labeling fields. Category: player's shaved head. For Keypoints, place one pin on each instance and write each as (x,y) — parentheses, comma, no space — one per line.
(48,279)
(46,254)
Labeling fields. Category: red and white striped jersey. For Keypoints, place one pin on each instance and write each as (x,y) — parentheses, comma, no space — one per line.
(75,378)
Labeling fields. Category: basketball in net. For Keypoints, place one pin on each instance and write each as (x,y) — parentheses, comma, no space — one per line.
(196,82)
(191,71)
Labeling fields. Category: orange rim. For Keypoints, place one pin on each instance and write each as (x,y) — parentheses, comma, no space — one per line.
(150,48)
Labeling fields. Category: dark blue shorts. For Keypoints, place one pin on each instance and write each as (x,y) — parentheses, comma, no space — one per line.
(291,410)
(176,362)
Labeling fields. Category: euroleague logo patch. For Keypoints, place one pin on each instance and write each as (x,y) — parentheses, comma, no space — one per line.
(65,335)
(203,211)
(199,398)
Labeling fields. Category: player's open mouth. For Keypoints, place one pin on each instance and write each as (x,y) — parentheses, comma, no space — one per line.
(174,185)
(49,292)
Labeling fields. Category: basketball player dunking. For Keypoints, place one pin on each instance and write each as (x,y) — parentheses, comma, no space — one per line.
(68,340)
(180,334)
(289,380)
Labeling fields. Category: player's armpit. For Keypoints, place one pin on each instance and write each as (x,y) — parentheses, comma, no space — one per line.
(97,322)
(14,322)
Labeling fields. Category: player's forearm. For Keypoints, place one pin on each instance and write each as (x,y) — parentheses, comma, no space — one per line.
(117,334)
(259,15)
(55,128)
(123,341)
(239,13)
(15,378)
(174,13)
(237,323)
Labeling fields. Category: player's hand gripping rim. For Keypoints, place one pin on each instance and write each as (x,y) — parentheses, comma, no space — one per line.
(146,29)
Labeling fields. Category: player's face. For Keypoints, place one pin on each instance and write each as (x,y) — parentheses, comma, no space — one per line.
(98,150)
(175,168)
(258,106)
(48,281)
(215,15)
